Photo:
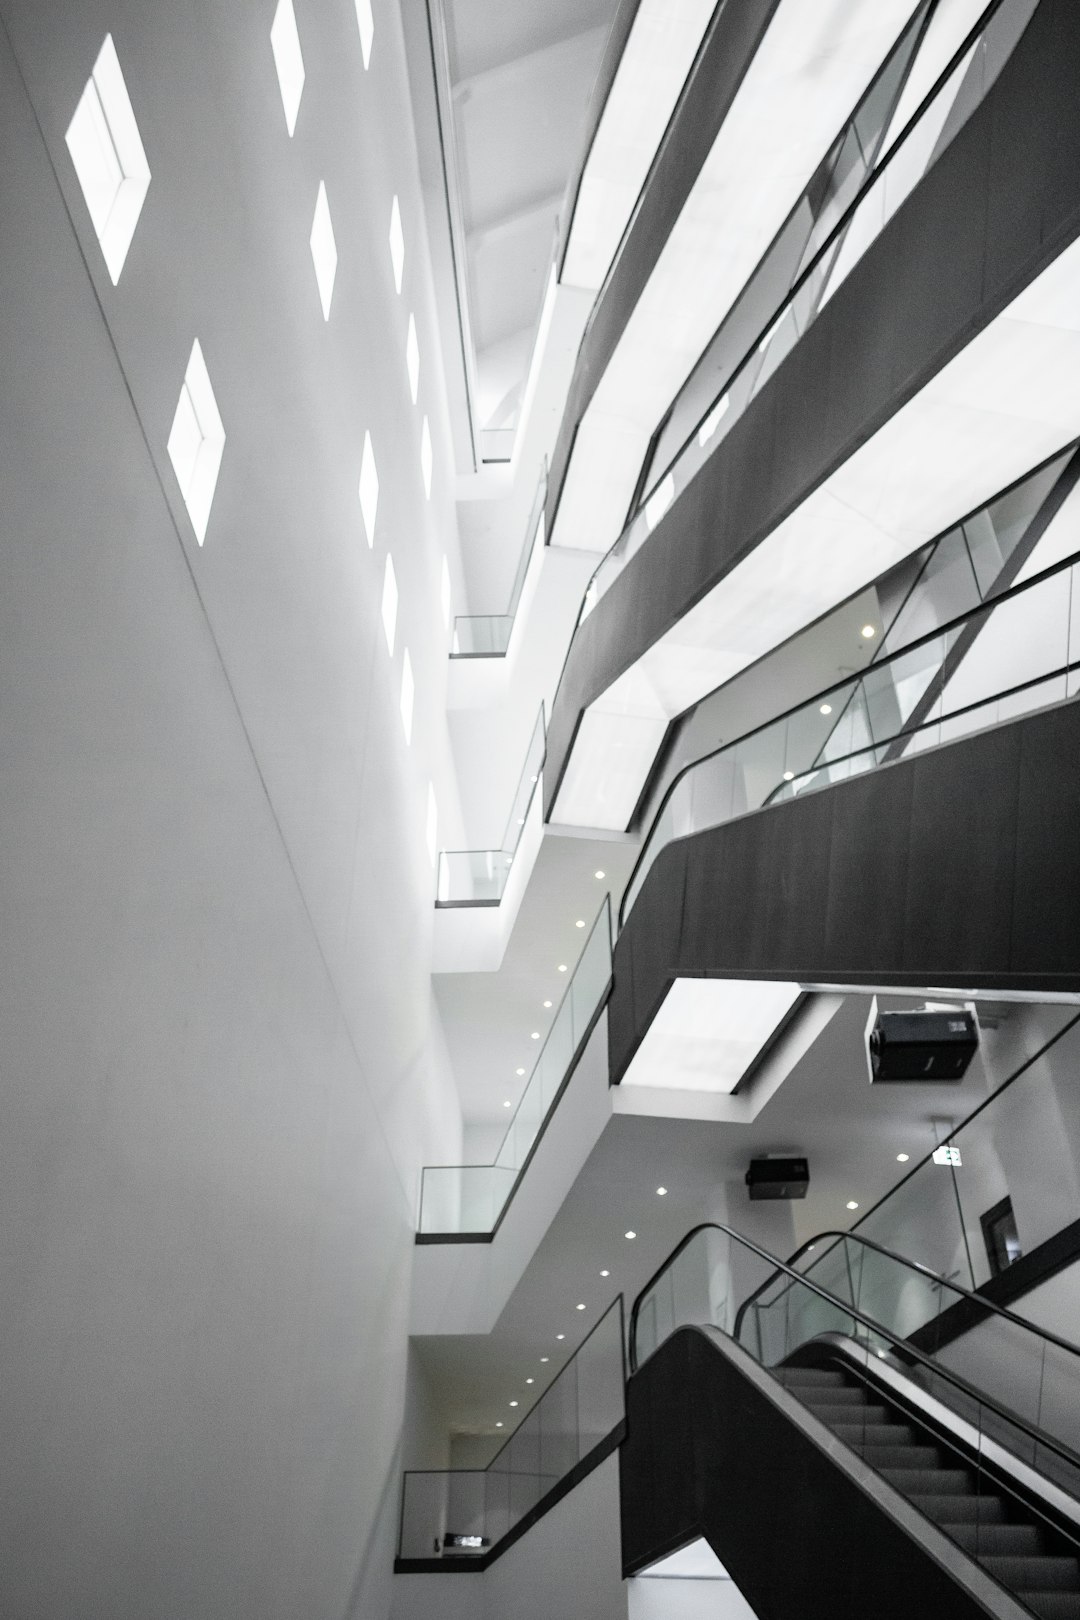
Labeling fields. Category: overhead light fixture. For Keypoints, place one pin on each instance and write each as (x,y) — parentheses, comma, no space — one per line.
(519,1071)
(506,1104)
(661,1192)
(826,708)
(902,1158)
(562,967)
(535,1036)
(789,776)
(560,1335)
(605,1274)
(631,1235)
(547,1003)
(581,1306)
(868,632)
(600,876)
(513,1403)
(498,1425)
(580,923)
(530,1380)
(851,1204)
(545,1358)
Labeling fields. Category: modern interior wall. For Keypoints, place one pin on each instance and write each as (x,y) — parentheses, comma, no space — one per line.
(569,1563)
(220,1061)
(673,1598)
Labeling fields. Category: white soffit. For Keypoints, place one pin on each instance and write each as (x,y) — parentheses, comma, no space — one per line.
(806,77)
(1004,404)
(655,62)
(694,1562)
(708,1032)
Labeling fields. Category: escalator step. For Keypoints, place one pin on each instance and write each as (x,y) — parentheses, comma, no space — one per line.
(812,1378)
(854,1416)
(930,1481)
(1052,1605)
(960,1508)
(1045,1573)
(876,1434)
(990,1540)
(904,1457)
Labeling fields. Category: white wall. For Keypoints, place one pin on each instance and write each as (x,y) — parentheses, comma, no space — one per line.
(671,1598)
(219,1060)
(568,1564)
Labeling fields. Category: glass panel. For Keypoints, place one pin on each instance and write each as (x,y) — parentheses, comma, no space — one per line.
(524,1454)
(487,635)
(600,1383)
(559,1428)
(478,876)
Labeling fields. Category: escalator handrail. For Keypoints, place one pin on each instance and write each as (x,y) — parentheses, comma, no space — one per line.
(986,606)
(906,1349)
(984,1305)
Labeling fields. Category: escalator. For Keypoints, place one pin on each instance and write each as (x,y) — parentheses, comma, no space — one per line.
(840,1456)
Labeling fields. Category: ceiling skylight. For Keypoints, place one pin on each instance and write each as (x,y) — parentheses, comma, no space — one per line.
(323,250)
(397,244)
(107,151)
(425,457)
(708,1032)
(408,692)
(369,489)
(389,603)
(196,441)
(412,359)
(366,24)
(288,59)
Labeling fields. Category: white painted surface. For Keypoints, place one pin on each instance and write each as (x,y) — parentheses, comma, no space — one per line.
(707,1032)
(568,1564)
(681,1599)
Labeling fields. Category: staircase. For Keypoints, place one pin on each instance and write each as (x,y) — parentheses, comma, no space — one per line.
(1023,1555)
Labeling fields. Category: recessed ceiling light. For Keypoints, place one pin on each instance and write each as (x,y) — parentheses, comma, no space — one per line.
(506,1104)
(519,1071)
(562,967)
(513,1403)
(631,1235)
(868,632)
(789,776)
(535,1036)
(580,923)
(581,1307)
(560,1335)
(826,708)
(600,876)
(605,1274)
(661,1192)
(851,1204)
(547,1003)
(545,1358)
(498,1425)
(902,1158)
(530,1380)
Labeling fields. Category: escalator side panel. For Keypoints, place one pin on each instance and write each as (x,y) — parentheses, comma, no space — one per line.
(710,1452)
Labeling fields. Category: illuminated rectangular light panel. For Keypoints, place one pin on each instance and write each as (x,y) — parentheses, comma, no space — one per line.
(324,250)
(288,59)
(366,24)
(196,441)
(107,152)
(368,490)
(708,1032)
(397,244)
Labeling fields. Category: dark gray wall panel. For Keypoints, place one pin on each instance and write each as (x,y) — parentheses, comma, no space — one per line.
(995,209)
(959,867)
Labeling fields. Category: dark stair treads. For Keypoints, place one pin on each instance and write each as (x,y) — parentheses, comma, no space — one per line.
(1052,1605)
(995,1540)
(964,1509)
(1045,1573)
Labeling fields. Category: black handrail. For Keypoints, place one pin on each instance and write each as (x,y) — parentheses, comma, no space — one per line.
(983,1303)
(906,1350)
(987,606)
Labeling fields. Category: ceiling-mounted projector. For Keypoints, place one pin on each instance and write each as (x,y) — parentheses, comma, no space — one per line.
(931,1043)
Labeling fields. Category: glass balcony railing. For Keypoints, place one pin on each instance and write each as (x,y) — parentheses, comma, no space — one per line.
(465,1513)
(1013,1387)
(866,178)
(477,877)
(469,1199)
(1016,652)
(487,635)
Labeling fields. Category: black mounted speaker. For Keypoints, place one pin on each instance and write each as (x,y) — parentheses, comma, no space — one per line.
(930,1045)
(778,1178)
